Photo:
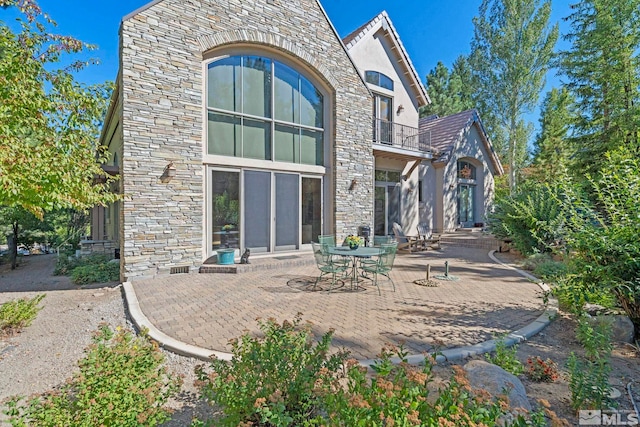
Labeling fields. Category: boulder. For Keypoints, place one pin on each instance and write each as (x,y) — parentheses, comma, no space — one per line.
(622,329)
(497,381)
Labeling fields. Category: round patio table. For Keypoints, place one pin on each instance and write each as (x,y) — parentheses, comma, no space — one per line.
(361,252)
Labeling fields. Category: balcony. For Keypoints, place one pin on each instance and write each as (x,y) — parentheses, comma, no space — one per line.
(398,141)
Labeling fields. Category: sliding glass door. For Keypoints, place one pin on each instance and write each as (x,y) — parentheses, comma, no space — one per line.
(257,211)
(311,209)
(225,210)
(264,211)
(287,217)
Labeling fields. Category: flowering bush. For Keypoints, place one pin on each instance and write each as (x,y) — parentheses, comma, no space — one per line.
(352,240)
(399,394)
(122,382)
(271,381)
(541,370)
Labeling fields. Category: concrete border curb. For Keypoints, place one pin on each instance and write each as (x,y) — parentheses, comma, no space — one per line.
(458,353)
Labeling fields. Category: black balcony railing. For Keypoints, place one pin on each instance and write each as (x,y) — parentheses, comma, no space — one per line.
(400,136)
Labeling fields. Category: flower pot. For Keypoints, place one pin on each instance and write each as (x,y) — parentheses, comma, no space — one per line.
(225,256)
(353,247)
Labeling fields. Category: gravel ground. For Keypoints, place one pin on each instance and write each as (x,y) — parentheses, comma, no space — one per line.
(45,354)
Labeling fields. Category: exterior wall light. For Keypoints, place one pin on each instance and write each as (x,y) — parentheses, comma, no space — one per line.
(169,172)
(400,109)
(353,184)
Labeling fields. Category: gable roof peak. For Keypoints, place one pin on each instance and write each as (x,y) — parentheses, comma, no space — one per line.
(382,21)
(447,132)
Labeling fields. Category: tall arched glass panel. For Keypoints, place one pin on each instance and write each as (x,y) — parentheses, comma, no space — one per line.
(260,108)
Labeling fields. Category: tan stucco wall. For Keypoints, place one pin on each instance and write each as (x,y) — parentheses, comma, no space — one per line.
(473,150)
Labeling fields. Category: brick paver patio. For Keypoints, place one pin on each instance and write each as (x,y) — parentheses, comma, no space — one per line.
(209,309)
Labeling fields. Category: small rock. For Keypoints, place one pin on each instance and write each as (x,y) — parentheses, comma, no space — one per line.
(98,294)
(495,380)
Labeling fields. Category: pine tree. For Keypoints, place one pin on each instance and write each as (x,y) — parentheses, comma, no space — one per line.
(603,71)
(511,50)
(552,145)
(448,92)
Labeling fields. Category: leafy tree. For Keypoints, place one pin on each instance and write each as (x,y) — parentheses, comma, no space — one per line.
(511,50)
(603,71)
(20,228)
(448,91)
(552,147)
(49,123)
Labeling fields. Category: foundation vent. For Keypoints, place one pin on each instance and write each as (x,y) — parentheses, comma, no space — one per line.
(179,270)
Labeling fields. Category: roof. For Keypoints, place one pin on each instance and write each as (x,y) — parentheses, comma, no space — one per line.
(447,132)
(383,21)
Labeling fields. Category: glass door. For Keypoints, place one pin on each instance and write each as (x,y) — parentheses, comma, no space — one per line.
(386,208)
(383,127)
(225,208)
(465,205)
(257,208)
(393,206)
(311,209)
(287,211)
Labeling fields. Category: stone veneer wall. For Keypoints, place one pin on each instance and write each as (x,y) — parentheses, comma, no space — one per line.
(102,247)
(162,85)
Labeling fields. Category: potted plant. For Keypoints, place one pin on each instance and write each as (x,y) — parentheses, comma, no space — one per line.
(353,241)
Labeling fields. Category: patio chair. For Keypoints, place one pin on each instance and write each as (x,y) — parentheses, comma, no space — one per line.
(379,240)
(326,265)
(383,264)
(410,243)
(428,238)
(329,240)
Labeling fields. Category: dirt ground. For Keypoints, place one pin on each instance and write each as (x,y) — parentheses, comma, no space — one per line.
(557,342)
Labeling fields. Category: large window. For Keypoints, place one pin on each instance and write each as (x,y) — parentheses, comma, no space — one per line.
(263,109)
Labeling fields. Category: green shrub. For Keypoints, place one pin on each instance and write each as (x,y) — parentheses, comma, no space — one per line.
(64,264)
(605,248)
(121,383)
(18,314)
(532,261)
(551,271)
(96,273)
(505,357)
(398,395)
(271,380)
(532,218)
(67,263)
(589,375)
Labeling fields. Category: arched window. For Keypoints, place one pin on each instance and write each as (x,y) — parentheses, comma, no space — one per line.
(263,109)
(466,170)
(378,79)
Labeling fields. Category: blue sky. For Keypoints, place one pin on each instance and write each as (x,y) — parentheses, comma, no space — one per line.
(431,30)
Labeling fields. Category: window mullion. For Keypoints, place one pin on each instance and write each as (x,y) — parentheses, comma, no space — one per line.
(273,110)
(299,142)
